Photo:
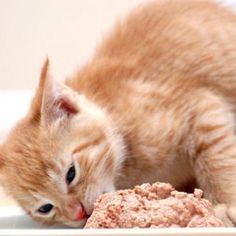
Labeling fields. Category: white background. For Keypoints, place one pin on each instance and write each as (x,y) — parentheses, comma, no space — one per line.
(66,31)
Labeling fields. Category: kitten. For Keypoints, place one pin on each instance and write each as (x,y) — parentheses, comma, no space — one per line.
(155,103)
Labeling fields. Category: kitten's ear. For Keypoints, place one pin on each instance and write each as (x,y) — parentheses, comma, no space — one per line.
(52,100)
(1,160)
(58,101)
(35,109)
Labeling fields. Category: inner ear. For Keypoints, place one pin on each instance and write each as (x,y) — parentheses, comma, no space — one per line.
(64,105)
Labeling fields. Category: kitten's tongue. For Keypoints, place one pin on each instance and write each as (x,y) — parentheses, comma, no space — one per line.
(82,214)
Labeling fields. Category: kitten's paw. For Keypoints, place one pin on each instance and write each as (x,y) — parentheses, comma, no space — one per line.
(231,213)
(224,213)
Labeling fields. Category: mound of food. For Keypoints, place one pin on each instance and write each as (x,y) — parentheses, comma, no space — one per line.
(156,205)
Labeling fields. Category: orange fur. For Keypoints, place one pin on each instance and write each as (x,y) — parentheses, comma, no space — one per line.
(155,103)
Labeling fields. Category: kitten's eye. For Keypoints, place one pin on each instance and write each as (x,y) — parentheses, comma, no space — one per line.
(45,209)
(70,175)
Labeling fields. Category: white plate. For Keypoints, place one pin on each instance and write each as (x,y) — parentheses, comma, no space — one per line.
(13,221)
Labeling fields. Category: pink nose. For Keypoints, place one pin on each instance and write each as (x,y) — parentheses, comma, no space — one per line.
(81,214)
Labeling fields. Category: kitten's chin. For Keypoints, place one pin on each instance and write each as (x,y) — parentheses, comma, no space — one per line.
(76,224)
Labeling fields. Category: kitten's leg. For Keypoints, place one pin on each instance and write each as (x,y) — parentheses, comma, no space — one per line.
(214,158)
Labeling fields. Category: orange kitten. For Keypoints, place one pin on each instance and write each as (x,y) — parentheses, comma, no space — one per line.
(155,103)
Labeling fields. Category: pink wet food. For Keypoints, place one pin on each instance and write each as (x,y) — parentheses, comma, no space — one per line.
(156,205)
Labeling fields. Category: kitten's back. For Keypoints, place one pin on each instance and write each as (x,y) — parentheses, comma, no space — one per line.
(168,40)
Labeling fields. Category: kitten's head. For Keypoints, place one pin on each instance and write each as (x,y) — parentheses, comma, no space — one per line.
(61,156)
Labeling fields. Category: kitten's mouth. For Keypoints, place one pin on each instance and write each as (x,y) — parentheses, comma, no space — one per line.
(82,214)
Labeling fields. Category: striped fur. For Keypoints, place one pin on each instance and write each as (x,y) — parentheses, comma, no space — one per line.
(155,103)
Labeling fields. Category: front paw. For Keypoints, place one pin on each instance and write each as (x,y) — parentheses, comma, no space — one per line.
(226,213)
